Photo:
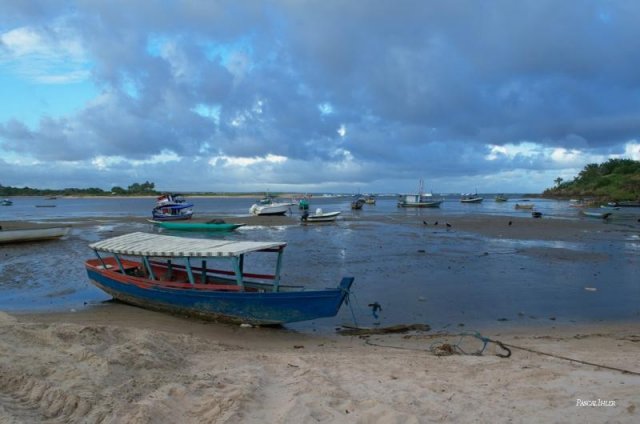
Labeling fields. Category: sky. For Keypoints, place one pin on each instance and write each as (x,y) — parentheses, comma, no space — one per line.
(316,96)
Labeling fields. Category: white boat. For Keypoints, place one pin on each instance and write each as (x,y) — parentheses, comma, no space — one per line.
(419,200)
(270,209)
(526,206)
(319,216)
(471,198)
(18,235)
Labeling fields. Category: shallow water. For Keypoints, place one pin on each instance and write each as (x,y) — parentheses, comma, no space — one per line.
(447,279)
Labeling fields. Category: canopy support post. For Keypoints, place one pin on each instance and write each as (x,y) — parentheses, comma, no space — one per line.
(276,277)
(117,258)
(190,271)
(203,277)
(238,270)
(147,265)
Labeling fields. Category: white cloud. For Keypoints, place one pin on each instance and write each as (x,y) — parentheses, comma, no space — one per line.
(106,162)
(231,161)
(52,56)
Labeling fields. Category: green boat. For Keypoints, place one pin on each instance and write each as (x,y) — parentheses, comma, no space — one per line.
(215,225)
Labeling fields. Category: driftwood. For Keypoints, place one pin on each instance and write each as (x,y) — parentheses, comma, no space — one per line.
(400,328)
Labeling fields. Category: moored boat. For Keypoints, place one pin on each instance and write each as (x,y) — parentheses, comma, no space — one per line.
(357,203)
(596,214)
(419,199)
(6,202)
(370,199)
(501,198)
(156,272)
(319,216)
(172,207)
(272,208)
(28,234)
(213,226)
(471,198)
(525,206)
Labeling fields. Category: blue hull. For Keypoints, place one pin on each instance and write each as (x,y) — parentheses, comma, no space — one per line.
(269,308)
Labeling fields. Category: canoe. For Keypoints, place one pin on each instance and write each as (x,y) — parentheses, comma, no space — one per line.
(196,226)
(19,235)
(170,274)
(601,215)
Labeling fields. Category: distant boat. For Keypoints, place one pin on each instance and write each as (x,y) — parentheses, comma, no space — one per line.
(214,226)
(419,199)
(527,206)
(171,274)
(625,204)
(593,214)
(45,206)
(172,207)
(270,209)
(536,214)
(370,199)
(6,202)
(18,235)
(319,216)
(358,202)
(471,198)
(501,198)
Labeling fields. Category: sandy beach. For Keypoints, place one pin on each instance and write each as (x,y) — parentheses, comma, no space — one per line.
(115,363)
(131,365)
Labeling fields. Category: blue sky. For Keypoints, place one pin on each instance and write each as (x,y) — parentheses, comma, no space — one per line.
(498,96)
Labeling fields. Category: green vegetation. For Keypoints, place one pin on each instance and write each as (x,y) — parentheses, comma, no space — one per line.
(135,189)
(613,180)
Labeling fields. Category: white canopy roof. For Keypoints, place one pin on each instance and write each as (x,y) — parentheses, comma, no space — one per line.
(145,244)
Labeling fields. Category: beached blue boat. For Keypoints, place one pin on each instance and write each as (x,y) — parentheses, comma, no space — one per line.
(172,207)
(158,272)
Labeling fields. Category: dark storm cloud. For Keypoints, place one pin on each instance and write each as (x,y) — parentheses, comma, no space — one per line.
(420,86)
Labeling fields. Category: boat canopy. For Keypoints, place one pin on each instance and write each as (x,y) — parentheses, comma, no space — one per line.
(145,244)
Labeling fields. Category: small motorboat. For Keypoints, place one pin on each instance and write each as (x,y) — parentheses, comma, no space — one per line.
(19,235)
(173,274)
(501,198)
(6,202)
(596,214)
(272,208)
(319,216)
(358,202)
(172,207)
(526,206)
(471,198)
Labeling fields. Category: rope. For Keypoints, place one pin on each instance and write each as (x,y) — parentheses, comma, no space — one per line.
(579,361)
(348,301)
(455,348)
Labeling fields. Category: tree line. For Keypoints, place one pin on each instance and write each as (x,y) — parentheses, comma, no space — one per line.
(146,188)
(615,180)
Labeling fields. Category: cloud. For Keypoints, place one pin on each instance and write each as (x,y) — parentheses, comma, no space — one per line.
(378,94)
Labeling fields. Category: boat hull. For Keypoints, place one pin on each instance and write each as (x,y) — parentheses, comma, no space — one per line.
(325,217)
(32,234)
(257,308)
(435,204)
(472,200)
(272,209)
(197,226)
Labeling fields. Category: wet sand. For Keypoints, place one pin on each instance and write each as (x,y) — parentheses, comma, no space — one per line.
(117,363)
(521,228)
